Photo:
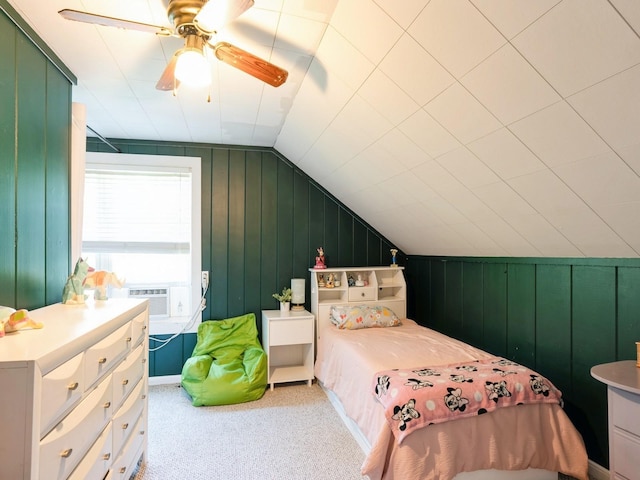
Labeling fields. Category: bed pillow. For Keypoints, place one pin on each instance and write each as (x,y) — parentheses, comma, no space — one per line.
(350,317)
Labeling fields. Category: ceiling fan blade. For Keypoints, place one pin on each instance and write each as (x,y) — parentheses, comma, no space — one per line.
(215,14)
(249,63)
(168,80)
(95,19)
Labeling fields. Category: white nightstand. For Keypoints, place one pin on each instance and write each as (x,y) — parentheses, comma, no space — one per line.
(288,339)
(623,392)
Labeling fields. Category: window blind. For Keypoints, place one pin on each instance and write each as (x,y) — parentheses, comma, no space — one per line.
(137,210)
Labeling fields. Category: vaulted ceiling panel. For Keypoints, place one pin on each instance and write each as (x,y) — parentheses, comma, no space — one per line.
(456,34)
(611,107)
(454,127)
(558,135)
(508,86)
(416,72)
(579,43)
(428,134)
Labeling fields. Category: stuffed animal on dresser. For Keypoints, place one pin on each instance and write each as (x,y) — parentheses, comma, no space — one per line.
(73,291)
(100,280)
(13,320)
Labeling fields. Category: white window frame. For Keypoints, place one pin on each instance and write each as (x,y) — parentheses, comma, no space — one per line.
(170,325)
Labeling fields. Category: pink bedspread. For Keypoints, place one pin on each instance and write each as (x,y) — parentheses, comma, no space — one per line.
(529,436)
(415,398)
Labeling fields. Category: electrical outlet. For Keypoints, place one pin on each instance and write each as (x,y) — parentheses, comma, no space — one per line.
(205,279)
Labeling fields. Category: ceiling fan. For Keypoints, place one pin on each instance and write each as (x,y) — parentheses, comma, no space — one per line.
(197,22)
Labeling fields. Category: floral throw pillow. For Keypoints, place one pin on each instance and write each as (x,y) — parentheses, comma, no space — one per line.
(362,316)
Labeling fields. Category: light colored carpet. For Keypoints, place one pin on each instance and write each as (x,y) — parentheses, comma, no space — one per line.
(291,433)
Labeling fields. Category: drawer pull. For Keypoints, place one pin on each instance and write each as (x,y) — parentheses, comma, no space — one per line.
(125,426)
(106,456)
(362,294)
(141,432)
(72,386)
(123,469)
(143,396)
(144,328)
(66,453)
(125,381)
(107,404)
(144,360)
(102,360)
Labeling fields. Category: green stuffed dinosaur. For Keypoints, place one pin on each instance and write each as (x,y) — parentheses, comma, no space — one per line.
(73,291)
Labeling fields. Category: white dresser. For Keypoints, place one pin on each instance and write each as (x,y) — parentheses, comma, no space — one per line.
(73,395)
(623,393)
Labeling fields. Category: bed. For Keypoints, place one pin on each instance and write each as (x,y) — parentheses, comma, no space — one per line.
(533,441)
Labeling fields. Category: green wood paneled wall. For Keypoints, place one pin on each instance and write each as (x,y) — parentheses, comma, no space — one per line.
(557,316)
(35,126)
(262,220)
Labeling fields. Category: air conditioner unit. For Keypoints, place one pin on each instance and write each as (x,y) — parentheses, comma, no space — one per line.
(158,299)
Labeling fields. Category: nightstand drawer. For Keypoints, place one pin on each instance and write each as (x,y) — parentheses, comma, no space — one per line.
(291,331)
(364,294)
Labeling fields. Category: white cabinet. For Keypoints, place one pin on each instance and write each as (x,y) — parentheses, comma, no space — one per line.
(288,340)
(358,286)
(623,394)
(74,393)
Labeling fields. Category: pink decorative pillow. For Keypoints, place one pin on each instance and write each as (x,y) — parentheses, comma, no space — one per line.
(353,317)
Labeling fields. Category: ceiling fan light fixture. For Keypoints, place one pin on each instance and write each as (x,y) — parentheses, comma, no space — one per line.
(215,14)
(192,66)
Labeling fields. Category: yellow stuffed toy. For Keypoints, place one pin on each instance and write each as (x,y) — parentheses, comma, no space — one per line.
(12,320)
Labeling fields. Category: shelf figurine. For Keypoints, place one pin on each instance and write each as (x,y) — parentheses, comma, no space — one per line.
(320,259)
(330,281)
(394,252)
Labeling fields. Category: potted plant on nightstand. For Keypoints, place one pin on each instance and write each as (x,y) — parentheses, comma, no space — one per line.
(284,298)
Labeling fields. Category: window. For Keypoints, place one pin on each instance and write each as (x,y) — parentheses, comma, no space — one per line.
(142,221)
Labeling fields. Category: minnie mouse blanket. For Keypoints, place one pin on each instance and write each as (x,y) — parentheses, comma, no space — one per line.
(418,397)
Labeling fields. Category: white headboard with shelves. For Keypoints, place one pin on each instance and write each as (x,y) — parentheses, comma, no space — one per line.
(384,286)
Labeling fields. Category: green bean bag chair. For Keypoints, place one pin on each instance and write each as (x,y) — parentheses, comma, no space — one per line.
(228,364)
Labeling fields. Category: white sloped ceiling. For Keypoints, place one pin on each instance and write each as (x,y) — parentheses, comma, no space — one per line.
(454,127)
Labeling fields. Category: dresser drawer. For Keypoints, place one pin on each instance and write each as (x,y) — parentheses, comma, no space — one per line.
(138,328)
(62,449)
(102,356)
(98,459)
(127,416)
(364,294)
(626,448)
(124,465)
(127,374)
(290,331)
(61,389)
(625,411)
